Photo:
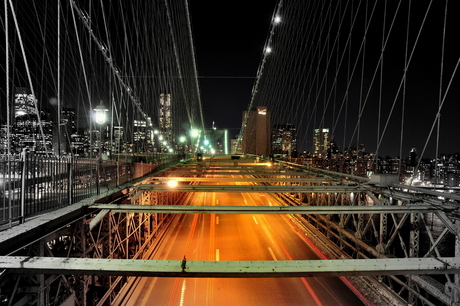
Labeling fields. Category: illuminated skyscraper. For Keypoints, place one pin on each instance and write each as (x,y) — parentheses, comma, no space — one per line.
(284,139)
(30,130)
(165,120)
(256,138)
(321,142)
(68,128)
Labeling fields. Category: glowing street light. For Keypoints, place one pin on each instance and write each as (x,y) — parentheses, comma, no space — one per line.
(195,133)
(100,113)
(172,183)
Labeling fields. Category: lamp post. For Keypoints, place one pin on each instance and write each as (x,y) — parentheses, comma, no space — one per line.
(100,117)
(182,142)
(195,135)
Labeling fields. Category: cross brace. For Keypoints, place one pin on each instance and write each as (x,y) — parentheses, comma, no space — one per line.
(195,268)
(319,210)
(251,188)
(243,179)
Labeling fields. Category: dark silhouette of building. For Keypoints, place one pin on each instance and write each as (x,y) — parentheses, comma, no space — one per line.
(256,138)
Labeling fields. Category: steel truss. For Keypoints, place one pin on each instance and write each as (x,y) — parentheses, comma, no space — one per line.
(380,235)
(103,235)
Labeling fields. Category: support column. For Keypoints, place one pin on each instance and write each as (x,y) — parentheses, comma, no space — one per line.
(413,250)
(456,290)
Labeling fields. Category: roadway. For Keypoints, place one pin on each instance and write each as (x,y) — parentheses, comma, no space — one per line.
(237,237)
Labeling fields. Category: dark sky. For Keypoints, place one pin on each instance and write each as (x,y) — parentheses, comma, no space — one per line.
(229,39)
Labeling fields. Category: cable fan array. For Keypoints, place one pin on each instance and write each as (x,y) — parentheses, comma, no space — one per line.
(124,53)
(375,73)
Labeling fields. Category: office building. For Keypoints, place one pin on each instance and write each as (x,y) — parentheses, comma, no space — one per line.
(284,140)
(256,137)
(165,120)
(321,142)
(31,130)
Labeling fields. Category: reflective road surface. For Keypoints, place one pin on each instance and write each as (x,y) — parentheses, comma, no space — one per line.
(238,237)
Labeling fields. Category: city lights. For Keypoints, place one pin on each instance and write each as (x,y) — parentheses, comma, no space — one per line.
(172,183)
(100,113)
(195,133)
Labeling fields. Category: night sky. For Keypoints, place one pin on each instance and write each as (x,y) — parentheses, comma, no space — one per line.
(230,36)
(229,39)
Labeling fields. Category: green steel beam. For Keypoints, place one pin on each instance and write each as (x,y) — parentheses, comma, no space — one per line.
(243,179)
(304,210)
(195,268)
(240,171)
(252,188)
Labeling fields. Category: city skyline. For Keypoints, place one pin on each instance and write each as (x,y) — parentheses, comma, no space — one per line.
(71,138)
(226,70)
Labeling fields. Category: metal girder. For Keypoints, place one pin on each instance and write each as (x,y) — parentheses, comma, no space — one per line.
(425,191)
(252,188)
(241,179)
(447,222)
(319,210)
(241,171)
(98,218)
(195,268)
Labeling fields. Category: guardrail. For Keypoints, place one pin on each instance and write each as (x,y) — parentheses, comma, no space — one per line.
(30,183)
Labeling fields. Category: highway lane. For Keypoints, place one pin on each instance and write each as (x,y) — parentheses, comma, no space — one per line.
(238,237)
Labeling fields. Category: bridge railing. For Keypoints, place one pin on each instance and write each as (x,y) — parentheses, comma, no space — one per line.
(30,183)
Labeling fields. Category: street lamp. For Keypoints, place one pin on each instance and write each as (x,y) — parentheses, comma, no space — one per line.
(195,135)
(100,117)
(100,113)
(182,146)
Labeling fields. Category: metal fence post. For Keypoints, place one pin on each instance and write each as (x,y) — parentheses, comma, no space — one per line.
(118,173)
(23,186)
(69,180)
(98,174)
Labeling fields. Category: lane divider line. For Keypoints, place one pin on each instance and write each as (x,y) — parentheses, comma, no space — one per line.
(217,255)
(182,293)
(272,253)
(255,220)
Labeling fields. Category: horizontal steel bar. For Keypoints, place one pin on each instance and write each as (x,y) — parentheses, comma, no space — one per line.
(241,171)
(447,195)
(252,188)
(195,268)
(304,210)
(241,179)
